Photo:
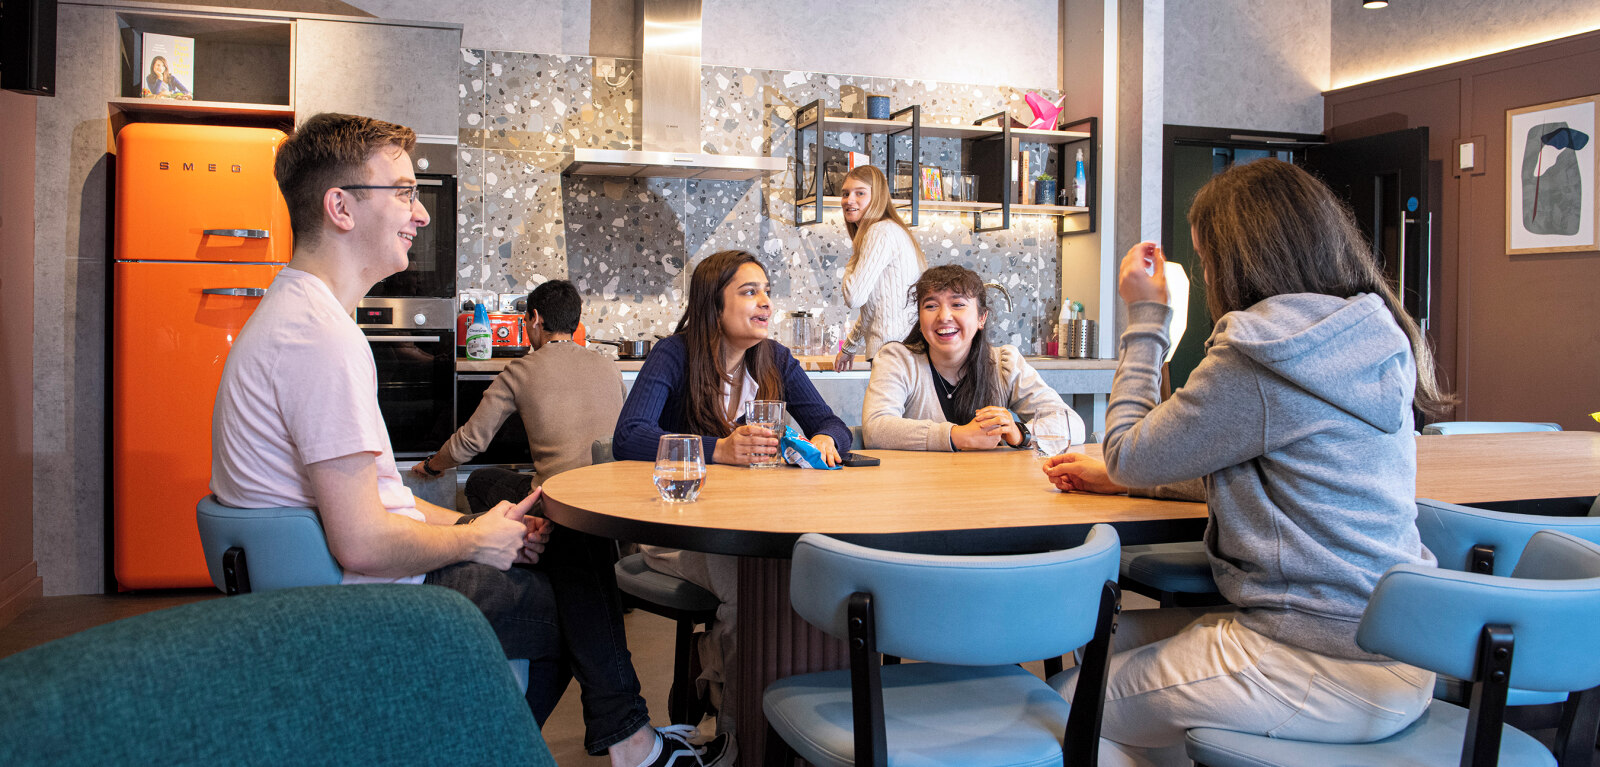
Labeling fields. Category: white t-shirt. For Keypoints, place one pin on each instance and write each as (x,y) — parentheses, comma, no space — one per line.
(299,387)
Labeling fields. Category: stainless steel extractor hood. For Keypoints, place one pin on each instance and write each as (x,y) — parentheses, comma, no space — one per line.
(668,34)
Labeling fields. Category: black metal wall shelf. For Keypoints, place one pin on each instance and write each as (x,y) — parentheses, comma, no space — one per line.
(994,146)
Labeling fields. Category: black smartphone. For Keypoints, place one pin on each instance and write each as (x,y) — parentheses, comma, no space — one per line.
(857,459)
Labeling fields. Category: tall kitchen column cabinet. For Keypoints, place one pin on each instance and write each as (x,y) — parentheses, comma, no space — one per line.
(392,71)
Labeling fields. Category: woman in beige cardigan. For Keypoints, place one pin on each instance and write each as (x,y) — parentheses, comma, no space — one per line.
(945,388)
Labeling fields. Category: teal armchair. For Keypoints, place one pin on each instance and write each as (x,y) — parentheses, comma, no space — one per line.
(388,674)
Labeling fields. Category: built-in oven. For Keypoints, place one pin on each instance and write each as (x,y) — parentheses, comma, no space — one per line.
(509,448)
(413,344)
(432,270)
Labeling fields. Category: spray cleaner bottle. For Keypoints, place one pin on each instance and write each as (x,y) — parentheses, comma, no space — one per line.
(478,334)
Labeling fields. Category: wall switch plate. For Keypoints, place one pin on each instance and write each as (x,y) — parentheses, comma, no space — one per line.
(1471,157)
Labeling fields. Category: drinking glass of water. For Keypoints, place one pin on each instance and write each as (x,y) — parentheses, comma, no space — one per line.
(768,414)
(1052,432)
(680,467)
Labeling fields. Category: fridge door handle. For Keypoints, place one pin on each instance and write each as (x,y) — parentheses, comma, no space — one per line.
(247,292)
(403,339)
(249,234)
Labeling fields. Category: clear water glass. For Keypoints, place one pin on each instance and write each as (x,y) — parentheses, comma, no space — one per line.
(680,467)
(768,414)
(1052,432)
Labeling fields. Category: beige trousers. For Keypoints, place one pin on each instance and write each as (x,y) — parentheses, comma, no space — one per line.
(718,574)
(1177,669)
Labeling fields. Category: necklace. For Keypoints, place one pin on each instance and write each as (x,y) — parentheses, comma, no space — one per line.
(945,388)
(561,341)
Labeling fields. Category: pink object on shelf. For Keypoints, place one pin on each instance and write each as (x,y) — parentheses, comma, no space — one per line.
(1044,111)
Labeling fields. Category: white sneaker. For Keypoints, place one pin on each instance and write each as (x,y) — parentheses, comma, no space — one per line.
(673,748)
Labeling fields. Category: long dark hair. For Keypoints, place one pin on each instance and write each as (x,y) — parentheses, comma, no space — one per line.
(701,328)
(980,378)
(1267,228)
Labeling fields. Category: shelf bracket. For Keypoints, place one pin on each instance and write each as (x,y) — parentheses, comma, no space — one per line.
(1091,175)
(819,126)
(1007,183)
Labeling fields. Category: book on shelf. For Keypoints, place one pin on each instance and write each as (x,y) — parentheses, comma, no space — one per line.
(167,66)
(1025,178)
(932,185)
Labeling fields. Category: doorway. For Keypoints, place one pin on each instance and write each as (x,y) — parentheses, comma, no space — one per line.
(1191,156)
(1385,179)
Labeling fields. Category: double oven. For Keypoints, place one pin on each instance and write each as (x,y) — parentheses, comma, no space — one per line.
(410,320)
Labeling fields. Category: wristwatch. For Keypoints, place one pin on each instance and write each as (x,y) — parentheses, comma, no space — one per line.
(1027,436)
(427,467)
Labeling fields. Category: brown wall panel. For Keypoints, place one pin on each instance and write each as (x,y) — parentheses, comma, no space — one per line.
(19,580)
(1521,333)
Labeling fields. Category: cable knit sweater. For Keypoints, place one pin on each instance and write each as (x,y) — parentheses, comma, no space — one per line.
(880,286)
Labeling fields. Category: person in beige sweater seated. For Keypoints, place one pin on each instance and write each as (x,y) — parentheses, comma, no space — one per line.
(944,388)
(566,395)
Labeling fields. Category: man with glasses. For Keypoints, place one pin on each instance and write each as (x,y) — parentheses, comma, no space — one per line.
(297,424)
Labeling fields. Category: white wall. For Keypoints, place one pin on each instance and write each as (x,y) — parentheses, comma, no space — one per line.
(1411,35)
(949,40)
(533,26)
(996,41)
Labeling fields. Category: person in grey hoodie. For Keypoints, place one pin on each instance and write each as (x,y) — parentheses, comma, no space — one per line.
(1297,425)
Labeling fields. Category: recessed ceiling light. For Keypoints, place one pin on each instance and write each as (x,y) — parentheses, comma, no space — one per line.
(1375,3)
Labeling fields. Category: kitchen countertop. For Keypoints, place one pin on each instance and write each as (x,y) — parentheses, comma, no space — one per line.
(815,364)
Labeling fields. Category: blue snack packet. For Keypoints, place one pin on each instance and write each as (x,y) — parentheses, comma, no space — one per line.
(798,451)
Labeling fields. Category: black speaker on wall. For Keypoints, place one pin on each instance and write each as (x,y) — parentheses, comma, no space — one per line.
(28,46)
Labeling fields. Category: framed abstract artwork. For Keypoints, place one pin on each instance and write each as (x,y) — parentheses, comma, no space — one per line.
(1550,177)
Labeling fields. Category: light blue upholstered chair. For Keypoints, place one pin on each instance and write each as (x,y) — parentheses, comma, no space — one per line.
(357,675)
(1491,543)
(1534,630)
(972,619)
(251,550)
(670,597)
(1487,427)
(285,548)
(1174,574)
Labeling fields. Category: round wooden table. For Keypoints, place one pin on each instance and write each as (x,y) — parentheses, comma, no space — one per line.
(996,501)
(970,503)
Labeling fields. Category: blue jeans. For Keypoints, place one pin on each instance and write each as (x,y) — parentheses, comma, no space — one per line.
(563,613)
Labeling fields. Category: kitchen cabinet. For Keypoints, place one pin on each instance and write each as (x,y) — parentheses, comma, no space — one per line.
(397,72)
(268,68)
(989,150)
(241,66)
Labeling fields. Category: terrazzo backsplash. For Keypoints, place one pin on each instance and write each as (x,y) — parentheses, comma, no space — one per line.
(629,244)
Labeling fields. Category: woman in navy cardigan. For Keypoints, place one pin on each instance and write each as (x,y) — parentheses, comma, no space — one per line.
(696,382)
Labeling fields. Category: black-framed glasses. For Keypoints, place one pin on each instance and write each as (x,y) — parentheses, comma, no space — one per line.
(406,192)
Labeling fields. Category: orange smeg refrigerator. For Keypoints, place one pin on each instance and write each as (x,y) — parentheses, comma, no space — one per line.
(200,231)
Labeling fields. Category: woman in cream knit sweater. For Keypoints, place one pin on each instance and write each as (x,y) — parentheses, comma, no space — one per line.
(882,267)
